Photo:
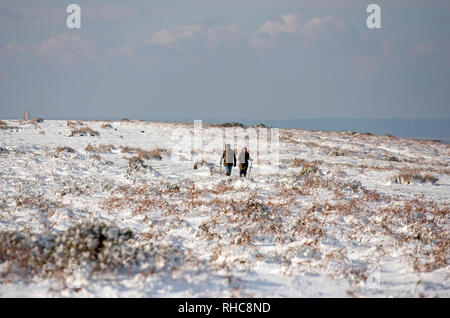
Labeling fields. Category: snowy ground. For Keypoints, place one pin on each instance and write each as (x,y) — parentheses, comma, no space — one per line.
(327,222)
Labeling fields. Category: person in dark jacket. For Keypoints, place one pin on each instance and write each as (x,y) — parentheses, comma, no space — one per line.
(229,159)
(243,159)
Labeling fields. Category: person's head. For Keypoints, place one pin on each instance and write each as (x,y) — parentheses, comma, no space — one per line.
(244,149)
(228,146)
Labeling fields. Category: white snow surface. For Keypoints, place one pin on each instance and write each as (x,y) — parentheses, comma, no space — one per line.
(345,231)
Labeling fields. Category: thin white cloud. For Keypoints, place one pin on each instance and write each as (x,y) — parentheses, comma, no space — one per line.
(221,32)
(168,36)
(320,26)
(306,31)
(290,23)
(214,34)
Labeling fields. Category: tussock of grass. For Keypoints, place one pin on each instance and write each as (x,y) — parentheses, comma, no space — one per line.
(309,168)
(413,177)
(71,124)
(95,157)
(298,162)
(84,131)
(156,153)
(65,149)
(393,158)
(4,125)
(100,148)
(336,153)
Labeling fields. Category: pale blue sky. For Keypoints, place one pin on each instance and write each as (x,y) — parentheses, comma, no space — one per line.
(236,59)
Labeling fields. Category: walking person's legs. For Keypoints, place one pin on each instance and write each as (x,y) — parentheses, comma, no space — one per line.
(228,170)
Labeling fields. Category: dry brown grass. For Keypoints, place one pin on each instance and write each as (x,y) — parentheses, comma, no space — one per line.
(65,149)
(412,176)
(309,168)
(84,131)
(297,162)
(39,203)
(106,126)
(140,199)
(100,148)
(71,124)
(4,125)
(156,153)
(95,156)
(246,219)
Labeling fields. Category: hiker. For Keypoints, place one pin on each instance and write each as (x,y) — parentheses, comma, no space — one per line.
(243,159)
(229,159)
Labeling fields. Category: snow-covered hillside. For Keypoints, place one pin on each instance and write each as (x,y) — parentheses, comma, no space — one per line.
(343,214)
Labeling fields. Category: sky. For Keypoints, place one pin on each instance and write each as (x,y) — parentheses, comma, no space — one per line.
(243,59)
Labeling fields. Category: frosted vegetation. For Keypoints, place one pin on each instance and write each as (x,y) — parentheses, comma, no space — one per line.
(109,208)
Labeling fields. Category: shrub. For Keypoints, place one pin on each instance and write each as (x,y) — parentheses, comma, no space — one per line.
(65,149)
(85,131)
(100,148)
(156,153)
(90,148)
(336,153)
(135,164)
(4,125)
(95,156)
(309,169)
(392,158)
(97,247)
(230,124)
(106,126)
(297,162)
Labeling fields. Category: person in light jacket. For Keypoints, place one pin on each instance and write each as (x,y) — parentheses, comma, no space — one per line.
(229,159)
(243,159)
